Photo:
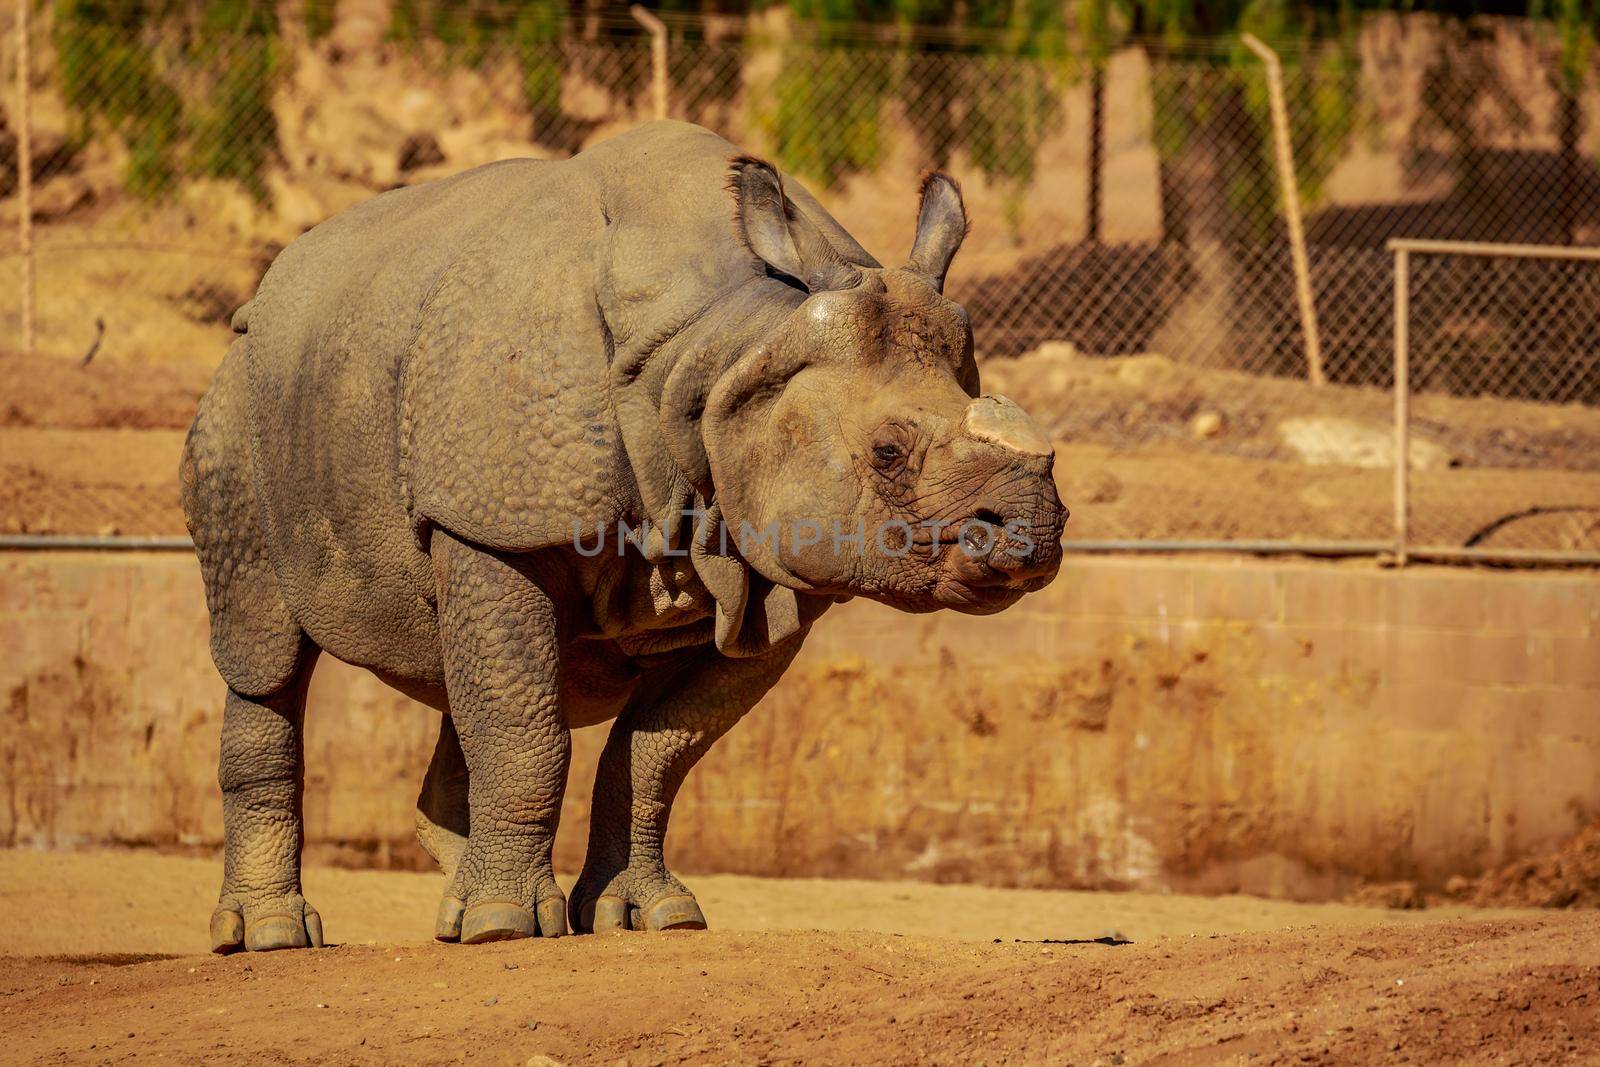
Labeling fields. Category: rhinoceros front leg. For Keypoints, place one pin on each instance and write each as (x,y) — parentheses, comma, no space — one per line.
(625,883)
(500,632)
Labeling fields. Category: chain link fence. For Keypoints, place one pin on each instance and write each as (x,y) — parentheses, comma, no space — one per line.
(1146,308)
(1518,326)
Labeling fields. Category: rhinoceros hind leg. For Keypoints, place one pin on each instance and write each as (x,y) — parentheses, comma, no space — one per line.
(442,805)
(262,774)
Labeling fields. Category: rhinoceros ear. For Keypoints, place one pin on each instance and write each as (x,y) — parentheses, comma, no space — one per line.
(941,227)
(780,234)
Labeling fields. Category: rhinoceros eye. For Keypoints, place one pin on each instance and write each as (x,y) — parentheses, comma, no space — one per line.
(891,447)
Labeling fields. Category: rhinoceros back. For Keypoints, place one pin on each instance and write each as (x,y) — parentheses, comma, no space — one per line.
(439,356)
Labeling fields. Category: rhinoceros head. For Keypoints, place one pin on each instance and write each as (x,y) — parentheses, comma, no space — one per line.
(851,450)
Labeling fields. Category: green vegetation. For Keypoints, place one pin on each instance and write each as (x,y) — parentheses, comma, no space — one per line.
(988,91)
(466,33)
(187,86)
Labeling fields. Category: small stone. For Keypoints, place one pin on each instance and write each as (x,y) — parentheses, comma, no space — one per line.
(491,1002)
(1336,441)
(1055,350)
(320,1005)
(1206,424)
(1094,486)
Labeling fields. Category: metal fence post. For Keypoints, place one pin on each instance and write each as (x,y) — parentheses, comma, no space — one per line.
(1283,148)
(1097,150)
(658,56)
(25,174)
(1402,401)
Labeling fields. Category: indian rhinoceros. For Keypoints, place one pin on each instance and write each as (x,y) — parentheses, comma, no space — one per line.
(547,444)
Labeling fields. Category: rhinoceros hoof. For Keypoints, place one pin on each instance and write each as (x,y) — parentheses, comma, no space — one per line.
(232,930)
(676,912)
(499,920)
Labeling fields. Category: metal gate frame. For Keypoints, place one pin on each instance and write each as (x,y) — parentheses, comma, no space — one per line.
(1403,248)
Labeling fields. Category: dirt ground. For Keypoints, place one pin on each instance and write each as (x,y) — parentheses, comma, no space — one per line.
(106,964)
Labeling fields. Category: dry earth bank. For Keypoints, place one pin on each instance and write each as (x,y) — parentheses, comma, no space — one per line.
(907,973)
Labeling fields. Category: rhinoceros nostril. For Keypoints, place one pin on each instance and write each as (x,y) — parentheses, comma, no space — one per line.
(980,534)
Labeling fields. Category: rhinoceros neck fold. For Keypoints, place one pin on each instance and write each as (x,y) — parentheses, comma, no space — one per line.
(658,392)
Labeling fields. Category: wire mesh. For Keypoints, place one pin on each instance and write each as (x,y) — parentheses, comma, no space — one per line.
(1505,372)
(1164,350)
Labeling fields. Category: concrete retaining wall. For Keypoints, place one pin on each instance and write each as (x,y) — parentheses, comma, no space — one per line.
(1285,728)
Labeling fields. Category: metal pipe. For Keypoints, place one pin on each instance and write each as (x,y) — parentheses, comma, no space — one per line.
(658,55)
(25,175)
(1283,149)
(1254,548)
(96,543)
(1443,554)
(1447,554)
(1398,245)
(71,542)
(1097,146)
(1402,403)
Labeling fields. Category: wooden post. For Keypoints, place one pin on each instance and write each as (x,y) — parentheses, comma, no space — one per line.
(1283,147)
(25,175)
(658,56)
(1402,403)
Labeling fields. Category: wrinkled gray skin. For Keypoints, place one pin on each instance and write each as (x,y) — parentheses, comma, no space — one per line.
(432,392)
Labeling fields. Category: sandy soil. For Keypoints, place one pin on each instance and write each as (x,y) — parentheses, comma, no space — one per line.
(107,971)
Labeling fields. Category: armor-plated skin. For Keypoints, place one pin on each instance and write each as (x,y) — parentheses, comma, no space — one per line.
(440,406)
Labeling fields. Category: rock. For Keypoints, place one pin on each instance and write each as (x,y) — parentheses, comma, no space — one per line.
(358,26)
(420,150)
(1206,424)
(1404,896)
(1144,371)
(61,196)
(1093,486)
(225,205)
(54,154)
(306,199)
(1326,440)
(475,143)
(1054,350)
